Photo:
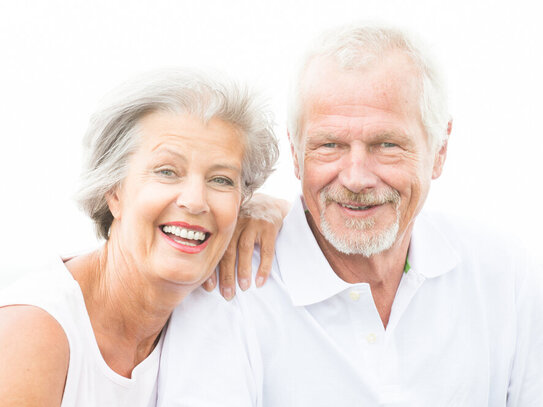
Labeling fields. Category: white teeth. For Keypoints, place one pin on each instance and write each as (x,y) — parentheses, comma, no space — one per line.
(185,242)
(184,233)
(355,207)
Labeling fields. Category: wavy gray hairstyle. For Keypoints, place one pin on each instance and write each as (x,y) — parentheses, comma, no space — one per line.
(355,46)
(113,133)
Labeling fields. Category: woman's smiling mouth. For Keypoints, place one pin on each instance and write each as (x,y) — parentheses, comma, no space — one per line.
(184,237)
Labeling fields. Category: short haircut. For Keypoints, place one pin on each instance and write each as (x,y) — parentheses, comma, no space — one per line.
(354,46)
(113,132)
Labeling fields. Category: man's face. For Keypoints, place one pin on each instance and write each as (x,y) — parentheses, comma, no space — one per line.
(367,164)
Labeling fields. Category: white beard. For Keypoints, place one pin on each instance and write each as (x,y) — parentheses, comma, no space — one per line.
(365,243)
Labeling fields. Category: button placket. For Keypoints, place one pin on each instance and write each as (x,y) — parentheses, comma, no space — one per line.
(367,327)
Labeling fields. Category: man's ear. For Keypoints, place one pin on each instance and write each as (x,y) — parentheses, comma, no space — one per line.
(441,155)
(114,203)
(294,157)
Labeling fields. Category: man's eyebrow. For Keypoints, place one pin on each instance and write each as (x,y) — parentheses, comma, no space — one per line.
(319,137)
(382,136)
(394,136)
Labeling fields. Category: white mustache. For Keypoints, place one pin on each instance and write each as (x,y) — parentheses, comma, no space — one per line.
(342,194)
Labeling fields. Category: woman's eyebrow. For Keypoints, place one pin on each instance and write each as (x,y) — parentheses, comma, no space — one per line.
(225,166)
(162,149)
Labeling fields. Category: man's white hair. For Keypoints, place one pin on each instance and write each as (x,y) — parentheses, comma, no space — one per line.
(354,47)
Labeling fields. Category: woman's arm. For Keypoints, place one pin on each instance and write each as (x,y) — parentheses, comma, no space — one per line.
(259,223)
(34,357)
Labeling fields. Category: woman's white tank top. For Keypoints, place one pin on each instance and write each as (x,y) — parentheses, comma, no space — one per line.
(90,381)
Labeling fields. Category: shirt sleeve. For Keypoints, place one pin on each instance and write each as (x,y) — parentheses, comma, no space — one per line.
(526,382)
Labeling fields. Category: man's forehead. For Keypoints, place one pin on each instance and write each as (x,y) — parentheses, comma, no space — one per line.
(390,84)
(392,72)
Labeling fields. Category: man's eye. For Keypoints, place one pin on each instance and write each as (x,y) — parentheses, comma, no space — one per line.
(388,145)
(223,181)
(330,145)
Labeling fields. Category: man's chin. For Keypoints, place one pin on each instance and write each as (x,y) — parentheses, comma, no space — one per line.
(366,240)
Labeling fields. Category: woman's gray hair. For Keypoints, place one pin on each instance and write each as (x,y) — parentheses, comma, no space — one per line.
(113,133)
(355,46)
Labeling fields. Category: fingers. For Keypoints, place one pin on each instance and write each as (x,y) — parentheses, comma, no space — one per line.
(227,272)
(267,251)
(246,246)
(227,265)
(260,224)
(211,282)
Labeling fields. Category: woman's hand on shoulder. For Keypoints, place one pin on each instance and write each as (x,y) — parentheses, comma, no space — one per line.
(34,357)
(259,222)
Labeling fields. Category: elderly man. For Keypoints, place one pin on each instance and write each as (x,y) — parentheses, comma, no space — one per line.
(371,302)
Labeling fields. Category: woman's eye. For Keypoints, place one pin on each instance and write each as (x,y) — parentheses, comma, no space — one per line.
(223,181)
(166,172)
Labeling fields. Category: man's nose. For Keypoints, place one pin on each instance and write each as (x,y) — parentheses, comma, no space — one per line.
(193,196)
(357,173)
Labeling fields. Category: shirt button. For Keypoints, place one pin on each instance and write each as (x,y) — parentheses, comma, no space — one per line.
(354,295)
(371,338)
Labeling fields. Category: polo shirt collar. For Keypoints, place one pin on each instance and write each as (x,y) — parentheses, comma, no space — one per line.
(304,269)
(308,277)
(431,253)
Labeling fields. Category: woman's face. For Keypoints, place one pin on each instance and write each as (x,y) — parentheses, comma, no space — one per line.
(176,210)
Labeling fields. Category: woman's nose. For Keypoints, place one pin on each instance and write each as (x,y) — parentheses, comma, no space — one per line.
(193,196)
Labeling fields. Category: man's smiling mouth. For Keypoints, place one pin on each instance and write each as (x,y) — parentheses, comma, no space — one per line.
(357,207)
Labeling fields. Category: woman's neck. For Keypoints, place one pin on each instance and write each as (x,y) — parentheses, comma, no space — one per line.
(127,307)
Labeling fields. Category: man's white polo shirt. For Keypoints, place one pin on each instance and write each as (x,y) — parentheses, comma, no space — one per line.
(466,329)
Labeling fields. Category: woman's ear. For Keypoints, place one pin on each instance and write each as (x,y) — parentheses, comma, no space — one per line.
(244,199)
(114,203)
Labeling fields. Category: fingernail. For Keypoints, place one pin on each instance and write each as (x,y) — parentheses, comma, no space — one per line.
(259,281)
(228,293)
(243,283)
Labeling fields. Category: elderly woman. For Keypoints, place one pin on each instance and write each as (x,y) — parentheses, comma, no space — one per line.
(171,160)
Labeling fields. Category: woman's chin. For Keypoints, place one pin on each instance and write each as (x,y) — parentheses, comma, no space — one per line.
(184,276)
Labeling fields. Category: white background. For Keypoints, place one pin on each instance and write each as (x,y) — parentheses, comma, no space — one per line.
(58,58)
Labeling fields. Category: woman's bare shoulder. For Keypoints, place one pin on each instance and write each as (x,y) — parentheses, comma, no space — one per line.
(34,357)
